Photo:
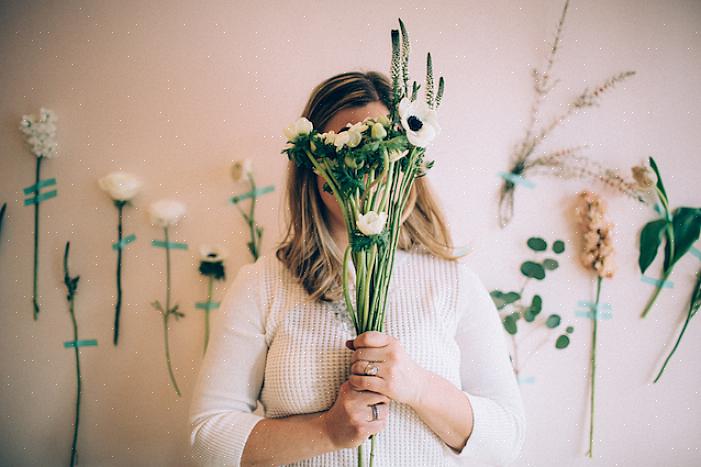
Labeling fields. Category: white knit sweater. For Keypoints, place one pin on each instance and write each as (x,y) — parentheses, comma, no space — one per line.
(270,343)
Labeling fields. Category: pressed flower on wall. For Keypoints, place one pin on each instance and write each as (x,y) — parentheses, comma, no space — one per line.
(121,187)
(528,159)
(166,214)
(514,309)
(679,228)
(242,170)
(597,256)
(212,267)
(370,168)
(40,135)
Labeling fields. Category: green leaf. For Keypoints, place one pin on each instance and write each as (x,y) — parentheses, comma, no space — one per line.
(537,244)
(660,186)
(558,246)
(553,321)
(686,224)
(569,329)
(533,270)
(562,341)
(502,299)
(510,325)
(650,238)
(550,264)
(536,304)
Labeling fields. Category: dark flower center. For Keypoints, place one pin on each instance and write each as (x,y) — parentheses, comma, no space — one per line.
(414,123)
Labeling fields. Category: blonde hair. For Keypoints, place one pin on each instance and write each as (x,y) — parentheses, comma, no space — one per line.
(308,249)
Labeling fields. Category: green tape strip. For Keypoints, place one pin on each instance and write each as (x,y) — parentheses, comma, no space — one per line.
(695,251)
(123,242)
(252,193)
(80,343)
(169,245)
(526,379)
(657,282)
(207,305)
(37,186)
(516,179)
(40,198)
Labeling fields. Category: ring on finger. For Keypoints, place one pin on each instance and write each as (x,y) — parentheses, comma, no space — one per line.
(371,369)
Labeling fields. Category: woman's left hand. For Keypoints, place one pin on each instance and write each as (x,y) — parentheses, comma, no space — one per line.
(398,376)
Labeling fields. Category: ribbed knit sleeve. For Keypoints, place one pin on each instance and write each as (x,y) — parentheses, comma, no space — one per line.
(229,382)
(487,379)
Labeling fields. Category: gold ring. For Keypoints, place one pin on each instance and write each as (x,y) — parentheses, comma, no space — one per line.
(371,370)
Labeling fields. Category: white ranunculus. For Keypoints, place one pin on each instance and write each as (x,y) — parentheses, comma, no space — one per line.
(419,121)
(241,169)
(359,127)
(329,137)
(371,223)
(378,131)
(396,155)
(166,212)
(213,253)
(121,186)
(301,127)
(40,133)
(354,138)
(340,140)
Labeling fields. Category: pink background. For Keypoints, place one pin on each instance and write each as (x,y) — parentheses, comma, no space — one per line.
(174,91)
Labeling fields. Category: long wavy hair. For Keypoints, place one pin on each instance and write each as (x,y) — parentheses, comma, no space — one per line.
(308,249)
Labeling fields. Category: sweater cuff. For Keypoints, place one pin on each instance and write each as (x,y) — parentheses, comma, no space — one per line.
(223,438)
(490,439)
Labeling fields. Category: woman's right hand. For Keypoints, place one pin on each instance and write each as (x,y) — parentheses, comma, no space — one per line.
(348,422)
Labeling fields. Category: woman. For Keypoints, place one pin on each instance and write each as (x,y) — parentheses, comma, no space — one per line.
(437,386)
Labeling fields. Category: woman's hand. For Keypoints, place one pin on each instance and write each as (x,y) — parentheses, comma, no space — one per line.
(349,422)
(398,376)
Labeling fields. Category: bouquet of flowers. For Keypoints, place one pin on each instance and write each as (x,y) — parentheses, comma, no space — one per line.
(370,168)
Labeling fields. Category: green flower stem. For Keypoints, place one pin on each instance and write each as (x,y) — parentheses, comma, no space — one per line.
(595,320)
(36,242)
(361,460)
(118,305)
(74,445)
(166,315)
(658,288)
(372,449)
(206,312)
(252,223)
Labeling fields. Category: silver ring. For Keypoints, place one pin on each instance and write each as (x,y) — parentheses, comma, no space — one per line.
(375,412)
(371,370)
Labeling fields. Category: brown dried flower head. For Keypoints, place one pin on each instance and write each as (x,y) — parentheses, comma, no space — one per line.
(597,233)
(644,177)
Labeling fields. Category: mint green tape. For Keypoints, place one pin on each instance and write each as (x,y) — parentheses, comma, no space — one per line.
(593,315)
(80,343)
(207,305)
(516,179)
(657,208)
(526,379)
(39,198)
(695,251)
(169,245)
(252,193)
(38,186)
(657,282)
(592,305)
(123,242)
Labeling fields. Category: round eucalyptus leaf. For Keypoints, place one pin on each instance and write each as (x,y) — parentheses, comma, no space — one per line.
(558,246)
(533,270)
(537,244)
(510,325)
(562,342)
(536,304)
(553,321)
(569,329)
(550,264)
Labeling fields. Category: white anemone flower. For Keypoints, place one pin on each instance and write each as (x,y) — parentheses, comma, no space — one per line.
(166,212)
(241,169)
(213,253)
(301,127)
(419,121)
(371,223)
(121,186)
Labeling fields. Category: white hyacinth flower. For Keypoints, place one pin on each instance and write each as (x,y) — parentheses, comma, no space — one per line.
(371,223)
(166,212)
(419,121)
(121,186)
(213,253)
(40,133)
(241,169)
(301,127)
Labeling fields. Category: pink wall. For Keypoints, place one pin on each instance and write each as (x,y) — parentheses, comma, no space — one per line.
(174,91)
